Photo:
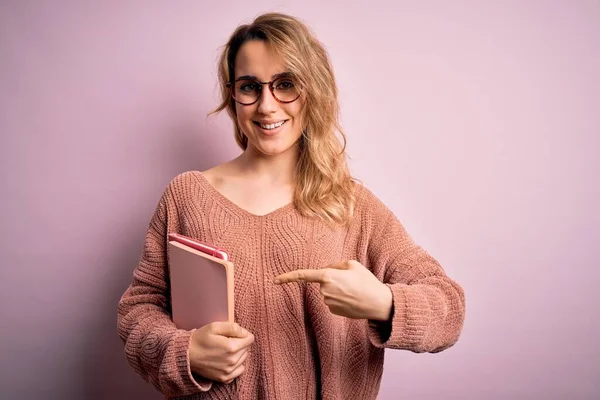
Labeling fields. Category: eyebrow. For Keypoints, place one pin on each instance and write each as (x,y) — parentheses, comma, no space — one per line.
(253,77)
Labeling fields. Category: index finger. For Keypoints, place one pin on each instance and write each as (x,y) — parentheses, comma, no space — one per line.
(241,343)
(232,345)
(300,275)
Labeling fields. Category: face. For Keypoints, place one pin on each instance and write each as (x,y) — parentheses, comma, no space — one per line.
(261,122)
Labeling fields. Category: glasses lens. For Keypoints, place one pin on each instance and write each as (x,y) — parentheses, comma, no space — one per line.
(246,91)
(285,89)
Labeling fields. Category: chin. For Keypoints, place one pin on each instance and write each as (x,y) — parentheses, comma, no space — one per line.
(274,149)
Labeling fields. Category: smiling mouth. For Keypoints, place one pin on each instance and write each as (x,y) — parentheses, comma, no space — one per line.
(269,127)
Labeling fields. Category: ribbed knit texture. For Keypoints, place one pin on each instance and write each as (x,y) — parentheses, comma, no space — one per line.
(302,350)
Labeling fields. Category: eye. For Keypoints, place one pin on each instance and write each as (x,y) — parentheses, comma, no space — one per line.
(286,84)
(248,87)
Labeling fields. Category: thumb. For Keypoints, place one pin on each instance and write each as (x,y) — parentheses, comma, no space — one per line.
(229,329)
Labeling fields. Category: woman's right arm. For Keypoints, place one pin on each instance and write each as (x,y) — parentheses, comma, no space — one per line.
(154,347)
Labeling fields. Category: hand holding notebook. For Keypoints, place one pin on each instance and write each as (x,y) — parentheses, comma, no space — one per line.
(202,300)
(218,351)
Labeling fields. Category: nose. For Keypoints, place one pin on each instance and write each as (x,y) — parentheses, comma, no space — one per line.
(267,104)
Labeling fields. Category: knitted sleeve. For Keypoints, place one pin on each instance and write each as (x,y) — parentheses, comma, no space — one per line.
(428,307)
(154,347)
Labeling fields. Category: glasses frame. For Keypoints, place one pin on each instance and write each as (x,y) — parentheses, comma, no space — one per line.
(230,86)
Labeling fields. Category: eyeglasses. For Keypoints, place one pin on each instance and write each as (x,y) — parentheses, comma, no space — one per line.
(247,90)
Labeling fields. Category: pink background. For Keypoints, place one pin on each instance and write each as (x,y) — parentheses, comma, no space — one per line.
(477,122)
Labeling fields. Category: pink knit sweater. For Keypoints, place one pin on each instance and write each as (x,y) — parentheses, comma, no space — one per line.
(302,350)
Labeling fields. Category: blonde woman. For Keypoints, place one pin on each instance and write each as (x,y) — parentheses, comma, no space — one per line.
(326,277)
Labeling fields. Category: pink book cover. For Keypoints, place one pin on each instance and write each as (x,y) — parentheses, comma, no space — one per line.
(201,287)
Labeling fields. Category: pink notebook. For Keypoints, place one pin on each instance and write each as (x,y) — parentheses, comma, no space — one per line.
(201,287)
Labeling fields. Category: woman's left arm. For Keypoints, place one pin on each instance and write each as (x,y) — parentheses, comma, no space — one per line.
(428,308)
(405,295)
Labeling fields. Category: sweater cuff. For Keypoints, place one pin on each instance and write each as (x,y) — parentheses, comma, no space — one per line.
(403,330)
(192,382)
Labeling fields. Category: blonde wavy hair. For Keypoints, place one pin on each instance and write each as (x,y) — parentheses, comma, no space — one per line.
(324,186)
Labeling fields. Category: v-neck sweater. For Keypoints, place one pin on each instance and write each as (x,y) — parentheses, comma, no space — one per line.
(301,349)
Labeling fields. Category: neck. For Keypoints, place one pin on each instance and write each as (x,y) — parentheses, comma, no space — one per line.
(277,169)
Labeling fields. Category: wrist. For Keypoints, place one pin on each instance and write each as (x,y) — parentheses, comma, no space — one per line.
(384,309)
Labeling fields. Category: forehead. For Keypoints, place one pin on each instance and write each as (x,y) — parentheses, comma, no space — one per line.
(256,58)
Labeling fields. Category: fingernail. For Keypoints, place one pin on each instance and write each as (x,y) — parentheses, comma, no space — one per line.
(275,280)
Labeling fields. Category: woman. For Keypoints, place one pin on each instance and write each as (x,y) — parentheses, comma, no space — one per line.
(326,277)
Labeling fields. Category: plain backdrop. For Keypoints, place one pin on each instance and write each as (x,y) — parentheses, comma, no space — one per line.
(476,122)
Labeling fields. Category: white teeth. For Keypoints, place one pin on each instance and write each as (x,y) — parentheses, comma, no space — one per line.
(272,126)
